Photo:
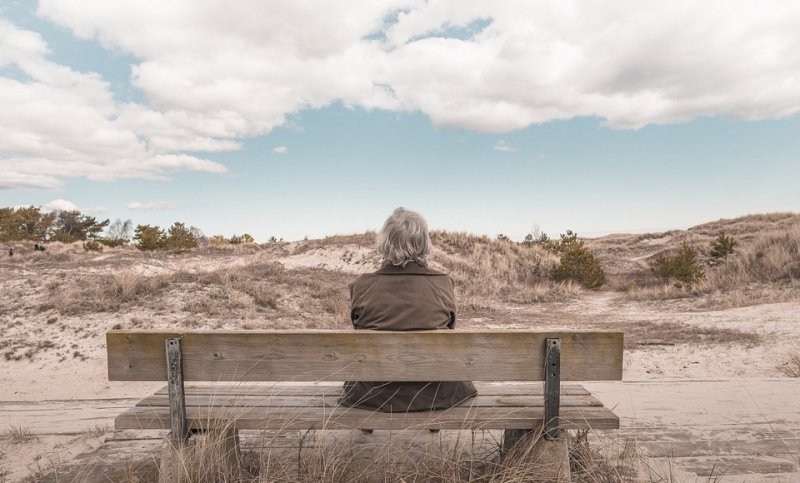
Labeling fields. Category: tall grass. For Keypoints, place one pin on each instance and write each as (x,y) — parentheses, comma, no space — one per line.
(324,456)
(491,271)
(767,271)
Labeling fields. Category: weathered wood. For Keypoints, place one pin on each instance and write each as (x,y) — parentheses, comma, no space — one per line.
(350,418)
(331,389)
(331,400)
(552,387)
(444,355)
(177,402)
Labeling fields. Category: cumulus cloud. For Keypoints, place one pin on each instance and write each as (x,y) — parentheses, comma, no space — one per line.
(151,206)
(525,63)
(66,205)
(281,149)
(216,72)
(61,205)
(59,123)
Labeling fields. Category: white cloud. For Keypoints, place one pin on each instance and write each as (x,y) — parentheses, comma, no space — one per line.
(628,63)
(151,206)
(281,150)
(504,147)
(66,205)
(60,123)
(216,72)
(61,205)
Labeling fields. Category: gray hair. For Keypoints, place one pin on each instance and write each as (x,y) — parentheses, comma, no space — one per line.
(404,238)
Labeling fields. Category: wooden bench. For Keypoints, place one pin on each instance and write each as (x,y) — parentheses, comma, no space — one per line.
(296,361)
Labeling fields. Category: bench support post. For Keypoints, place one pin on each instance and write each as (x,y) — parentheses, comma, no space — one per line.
(177,399)
(552,387)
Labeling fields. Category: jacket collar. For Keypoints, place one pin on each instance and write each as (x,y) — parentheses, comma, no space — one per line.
(412,268)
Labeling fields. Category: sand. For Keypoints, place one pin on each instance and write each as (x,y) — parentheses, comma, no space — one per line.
(758,341)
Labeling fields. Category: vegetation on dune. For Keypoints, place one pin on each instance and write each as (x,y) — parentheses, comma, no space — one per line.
(177,238)
(721,248)
(32,224)
(682,267)
(577,263)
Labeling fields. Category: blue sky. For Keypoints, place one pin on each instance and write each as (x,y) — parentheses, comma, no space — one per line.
(295,146)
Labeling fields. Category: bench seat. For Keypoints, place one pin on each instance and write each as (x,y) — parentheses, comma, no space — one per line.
(275,406)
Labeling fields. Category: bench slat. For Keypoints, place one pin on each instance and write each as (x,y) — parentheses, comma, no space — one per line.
(349,418)
(290,389)
(330,400)
(443,355)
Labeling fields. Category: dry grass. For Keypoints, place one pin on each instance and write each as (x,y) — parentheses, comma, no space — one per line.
(19,435)
(491,271)
(791,368)
(17,349)
(767,271)
(256,288)
(322,457)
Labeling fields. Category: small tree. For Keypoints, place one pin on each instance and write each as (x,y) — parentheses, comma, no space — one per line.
(73,226)
(683,266)
(180,238)
(577,262)
(721,248)
(148,237)
(546,243)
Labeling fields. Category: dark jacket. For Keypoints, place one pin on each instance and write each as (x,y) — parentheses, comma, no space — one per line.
(410,298)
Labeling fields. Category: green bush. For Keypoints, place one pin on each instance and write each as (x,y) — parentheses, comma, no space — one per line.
(721,249)
(148,237)
(577,262)
(180,238)
(683,266)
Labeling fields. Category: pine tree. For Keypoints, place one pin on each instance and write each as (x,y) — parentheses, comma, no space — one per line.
(683,266)
(149,237)
(721,248)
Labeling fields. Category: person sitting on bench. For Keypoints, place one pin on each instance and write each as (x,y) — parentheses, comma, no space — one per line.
(405,294)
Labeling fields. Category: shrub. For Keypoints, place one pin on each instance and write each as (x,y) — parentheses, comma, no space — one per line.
(112,242)
(92,246)
(683,266)
(246,238)
(578,263)
(180,238)
(721,248)
(149,237)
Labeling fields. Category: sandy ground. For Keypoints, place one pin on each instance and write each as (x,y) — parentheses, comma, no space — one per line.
(674,342)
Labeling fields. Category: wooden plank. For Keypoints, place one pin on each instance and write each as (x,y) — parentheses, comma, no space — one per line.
(349,418)
(552,385)
(364,355)
(212,400)
(292,389)
(177,404)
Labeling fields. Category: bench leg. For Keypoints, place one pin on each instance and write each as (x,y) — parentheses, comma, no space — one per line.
(230,447)
(173,455)
(550,457)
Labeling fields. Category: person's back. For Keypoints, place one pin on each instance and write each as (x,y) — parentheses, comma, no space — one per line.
(404,295)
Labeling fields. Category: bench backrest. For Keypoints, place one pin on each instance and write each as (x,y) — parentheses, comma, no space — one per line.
(342,355)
